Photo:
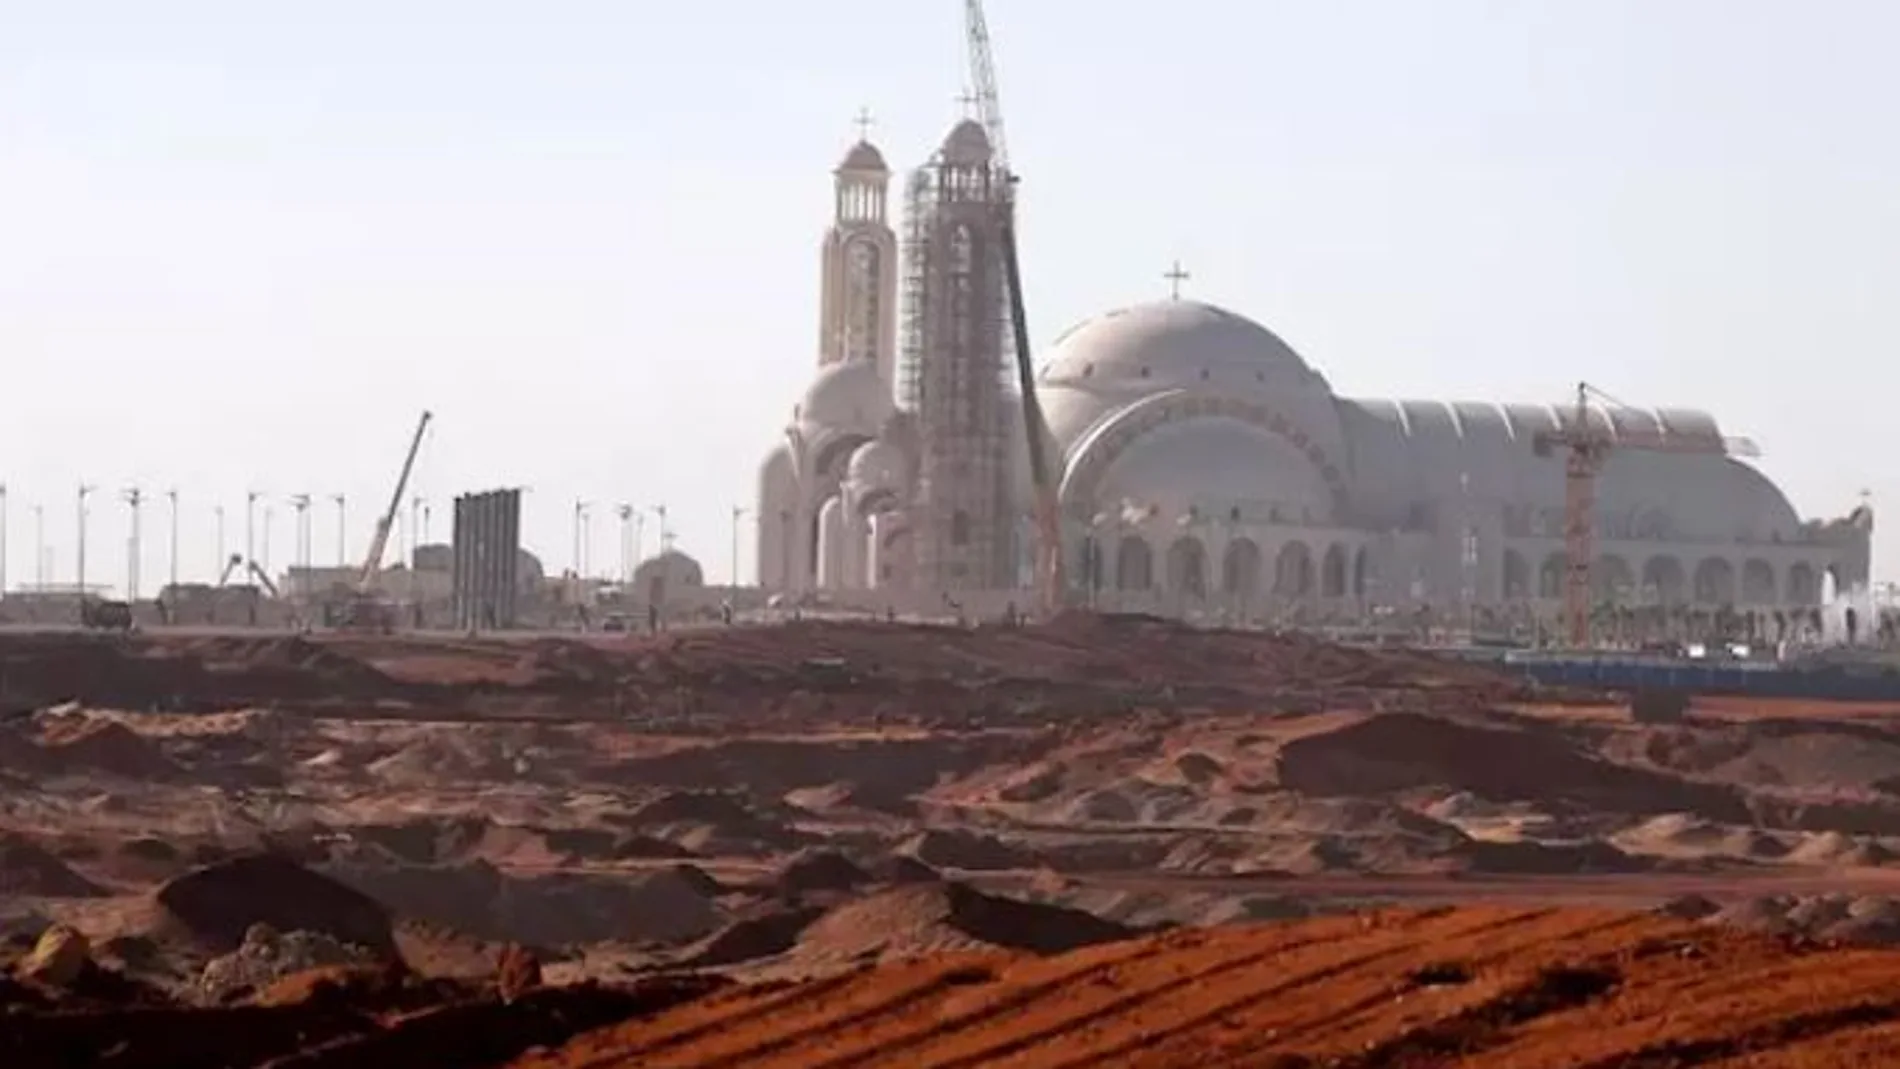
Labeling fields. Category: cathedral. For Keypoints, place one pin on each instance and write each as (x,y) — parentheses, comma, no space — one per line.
(1205,469)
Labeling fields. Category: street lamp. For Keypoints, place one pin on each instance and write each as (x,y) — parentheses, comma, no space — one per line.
(666,536)
(135,498)
(250,526)
(342,530)
(738,513)
(627,550)
(171,498)
(85,491)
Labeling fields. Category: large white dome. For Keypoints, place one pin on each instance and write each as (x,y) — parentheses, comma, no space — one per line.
(1175,343)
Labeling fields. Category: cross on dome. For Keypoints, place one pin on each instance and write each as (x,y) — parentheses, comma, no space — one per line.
(864,123)
(1175,277)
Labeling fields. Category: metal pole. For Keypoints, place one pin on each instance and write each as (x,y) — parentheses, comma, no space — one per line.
(84,490)
(342,529)
(39,548)
(738,513)
(217,569)
(625,512)
(171,496)
(135,498)
(250,527)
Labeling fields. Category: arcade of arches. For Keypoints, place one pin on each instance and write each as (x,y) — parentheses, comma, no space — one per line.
(1227,570)
(1194,569)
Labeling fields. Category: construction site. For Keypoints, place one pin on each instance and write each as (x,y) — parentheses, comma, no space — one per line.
(1136,702)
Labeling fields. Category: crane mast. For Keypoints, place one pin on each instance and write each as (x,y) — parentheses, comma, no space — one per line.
(373,563)
(1049,568)
(1587,445)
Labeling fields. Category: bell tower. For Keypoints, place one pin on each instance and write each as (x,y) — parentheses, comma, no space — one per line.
(859,290)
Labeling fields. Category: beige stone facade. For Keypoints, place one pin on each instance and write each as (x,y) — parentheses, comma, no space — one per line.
(1207,470)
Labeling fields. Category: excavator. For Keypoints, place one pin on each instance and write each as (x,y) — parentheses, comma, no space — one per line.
(367,610)
(251,569)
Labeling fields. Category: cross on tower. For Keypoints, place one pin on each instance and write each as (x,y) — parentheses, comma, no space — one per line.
(864,122)
(1175,277)
(969,101)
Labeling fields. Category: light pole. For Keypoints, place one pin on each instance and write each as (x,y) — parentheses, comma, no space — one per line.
(219,565)
(250,526)
(171,498)
(738,513)
(135,498)
(39,548)
(666,536)
(84,492)
(580,561)
(342,530)
(300,555)
(625,512)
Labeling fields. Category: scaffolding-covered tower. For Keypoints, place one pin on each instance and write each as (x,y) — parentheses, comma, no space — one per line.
(956,367)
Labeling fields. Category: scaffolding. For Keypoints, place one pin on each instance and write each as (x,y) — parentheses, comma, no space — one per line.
(957,367)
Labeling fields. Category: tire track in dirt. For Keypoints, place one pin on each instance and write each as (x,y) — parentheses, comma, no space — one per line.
(1190,1029)
(1726,995)
(1280,939)
(1874,1045)
(788,1035)
(1771,1036)
(1390,942)
(1464,1006)
(613,1044)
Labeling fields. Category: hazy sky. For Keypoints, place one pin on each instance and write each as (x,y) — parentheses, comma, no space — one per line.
(242,248)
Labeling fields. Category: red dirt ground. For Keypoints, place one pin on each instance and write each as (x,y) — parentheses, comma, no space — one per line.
(1480,987)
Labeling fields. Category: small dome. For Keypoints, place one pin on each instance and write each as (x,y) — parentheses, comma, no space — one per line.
(847,396)
(877,465)
(864,158)
(967,145)
(670,571)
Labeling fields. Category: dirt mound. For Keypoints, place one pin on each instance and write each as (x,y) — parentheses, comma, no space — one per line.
(959,848)
(219,903)
(551,909)
(606,844)
(711,821)
(28,870)
(426,840)
(750,939)
(928,918)
(1498,761)
(106,747)
(1835,849)
(819,871)
(902,869)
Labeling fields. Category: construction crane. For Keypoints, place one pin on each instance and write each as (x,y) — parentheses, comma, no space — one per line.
(367,610)
(1588,436)
(1050,584)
